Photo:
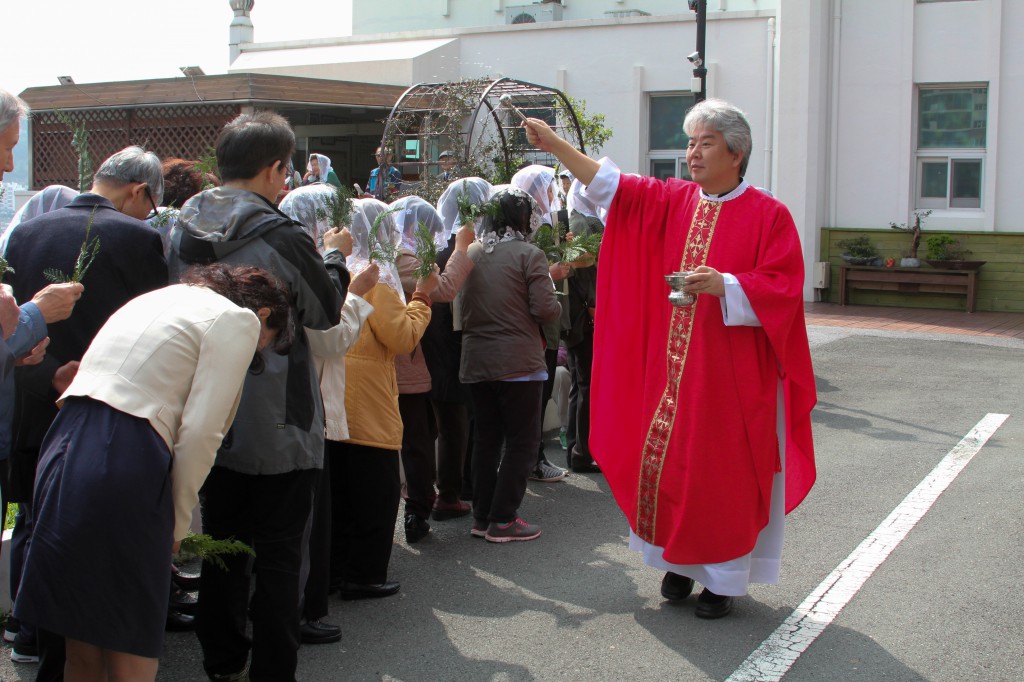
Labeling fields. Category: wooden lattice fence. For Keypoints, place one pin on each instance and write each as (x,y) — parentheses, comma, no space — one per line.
(185,131)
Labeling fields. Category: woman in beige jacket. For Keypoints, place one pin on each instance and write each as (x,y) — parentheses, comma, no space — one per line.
(364,468)
(120,468)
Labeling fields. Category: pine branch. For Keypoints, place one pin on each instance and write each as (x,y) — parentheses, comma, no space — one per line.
(5,267)
(426,251)
(336,209)
(382,252)
(469,211)
(204,547)
(86,255)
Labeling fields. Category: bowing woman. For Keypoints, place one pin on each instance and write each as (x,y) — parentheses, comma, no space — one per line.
(122,464)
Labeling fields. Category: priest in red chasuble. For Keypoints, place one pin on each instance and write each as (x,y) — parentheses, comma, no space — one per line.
(700,414)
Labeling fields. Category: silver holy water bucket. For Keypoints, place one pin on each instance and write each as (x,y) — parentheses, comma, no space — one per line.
(677,296)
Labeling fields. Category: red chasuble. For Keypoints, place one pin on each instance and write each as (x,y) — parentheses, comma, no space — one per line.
(683,407)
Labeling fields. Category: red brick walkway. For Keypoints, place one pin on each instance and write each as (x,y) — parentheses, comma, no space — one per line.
(1009,325)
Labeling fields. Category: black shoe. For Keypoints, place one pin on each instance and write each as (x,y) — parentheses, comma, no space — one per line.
(416,528)
(319,632)
(350,591)
(186,602)
(179,622)
(711,605)
(186,581)
(675,587)
(583,465)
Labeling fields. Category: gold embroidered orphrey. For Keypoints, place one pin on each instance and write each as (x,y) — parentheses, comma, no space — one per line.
(652,459)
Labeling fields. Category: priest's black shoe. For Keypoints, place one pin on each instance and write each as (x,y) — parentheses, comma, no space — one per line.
(319,632)
(711,605)
(676,587)
(179,622)
(583,465)
(350,591)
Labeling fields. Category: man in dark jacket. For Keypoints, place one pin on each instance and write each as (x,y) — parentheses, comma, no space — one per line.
(260,490)
(128,261)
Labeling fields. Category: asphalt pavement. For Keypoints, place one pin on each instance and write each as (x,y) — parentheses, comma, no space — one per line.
(576,604)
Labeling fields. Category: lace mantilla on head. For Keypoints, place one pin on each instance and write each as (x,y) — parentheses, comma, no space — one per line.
(491,239)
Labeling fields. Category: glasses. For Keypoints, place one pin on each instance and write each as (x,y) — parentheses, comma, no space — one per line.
(149,195)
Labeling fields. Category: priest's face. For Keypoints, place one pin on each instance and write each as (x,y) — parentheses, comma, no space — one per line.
(711,164)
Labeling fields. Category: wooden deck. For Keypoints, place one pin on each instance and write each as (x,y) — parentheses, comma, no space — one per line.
(1009,325)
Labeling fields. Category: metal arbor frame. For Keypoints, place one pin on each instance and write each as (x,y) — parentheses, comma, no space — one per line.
(468,119)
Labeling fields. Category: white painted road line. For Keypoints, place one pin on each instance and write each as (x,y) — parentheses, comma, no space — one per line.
(779,652)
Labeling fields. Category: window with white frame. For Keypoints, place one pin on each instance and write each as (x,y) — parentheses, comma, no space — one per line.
(666,141)
(951,132)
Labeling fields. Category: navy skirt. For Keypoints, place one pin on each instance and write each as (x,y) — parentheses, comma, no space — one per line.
(99,563)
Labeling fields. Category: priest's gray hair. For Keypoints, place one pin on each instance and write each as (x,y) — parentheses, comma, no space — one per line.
(12,109)
(134,164)
(720,116)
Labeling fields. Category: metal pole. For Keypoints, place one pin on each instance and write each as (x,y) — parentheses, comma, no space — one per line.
(701,71)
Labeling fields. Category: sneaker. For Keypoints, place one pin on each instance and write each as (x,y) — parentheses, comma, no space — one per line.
(546,472)
(415,528)
(479,528)
(563,440)
(24,652)
(513,531)
(11,628)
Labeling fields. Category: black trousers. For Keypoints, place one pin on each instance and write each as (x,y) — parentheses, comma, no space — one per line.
(317,553)
(419,458)
(452,445)
(507,412)
(365,489)
(577,435)
(269,513)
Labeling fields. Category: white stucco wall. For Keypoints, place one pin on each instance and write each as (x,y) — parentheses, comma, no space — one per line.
(387,16)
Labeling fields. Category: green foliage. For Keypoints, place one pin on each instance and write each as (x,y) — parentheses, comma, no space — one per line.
(915,231)
(382,252)
(86,255)
(12,511)
(944,247)
(204,547)
(207,166)
(80,143)
(595,132)
(577,249)
(859,247)
(426,251)
(337,208)
(5,267)
(470,211)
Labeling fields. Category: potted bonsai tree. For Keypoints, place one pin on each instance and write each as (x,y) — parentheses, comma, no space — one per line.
(948,253)
(859,251)
(910,260)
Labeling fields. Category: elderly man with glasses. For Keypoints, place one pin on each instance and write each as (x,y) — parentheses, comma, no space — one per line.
(129,262)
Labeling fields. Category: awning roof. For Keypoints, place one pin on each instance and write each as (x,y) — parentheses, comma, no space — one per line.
(232,87)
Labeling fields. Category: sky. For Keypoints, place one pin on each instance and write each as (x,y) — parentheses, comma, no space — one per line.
(110,40)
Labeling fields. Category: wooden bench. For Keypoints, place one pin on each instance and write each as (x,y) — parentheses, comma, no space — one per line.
(908,281)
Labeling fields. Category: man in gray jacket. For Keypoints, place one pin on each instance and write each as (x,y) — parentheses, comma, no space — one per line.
(260,490)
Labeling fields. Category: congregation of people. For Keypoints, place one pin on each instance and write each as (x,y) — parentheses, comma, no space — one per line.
(221,358)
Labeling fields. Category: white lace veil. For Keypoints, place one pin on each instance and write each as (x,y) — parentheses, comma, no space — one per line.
(477,189)
(323,164)
(364,213)
(539,183)
(413,210)
(301,205)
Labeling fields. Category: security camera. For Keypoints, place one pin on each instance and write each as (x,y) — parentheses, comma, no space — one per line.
(694,58)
